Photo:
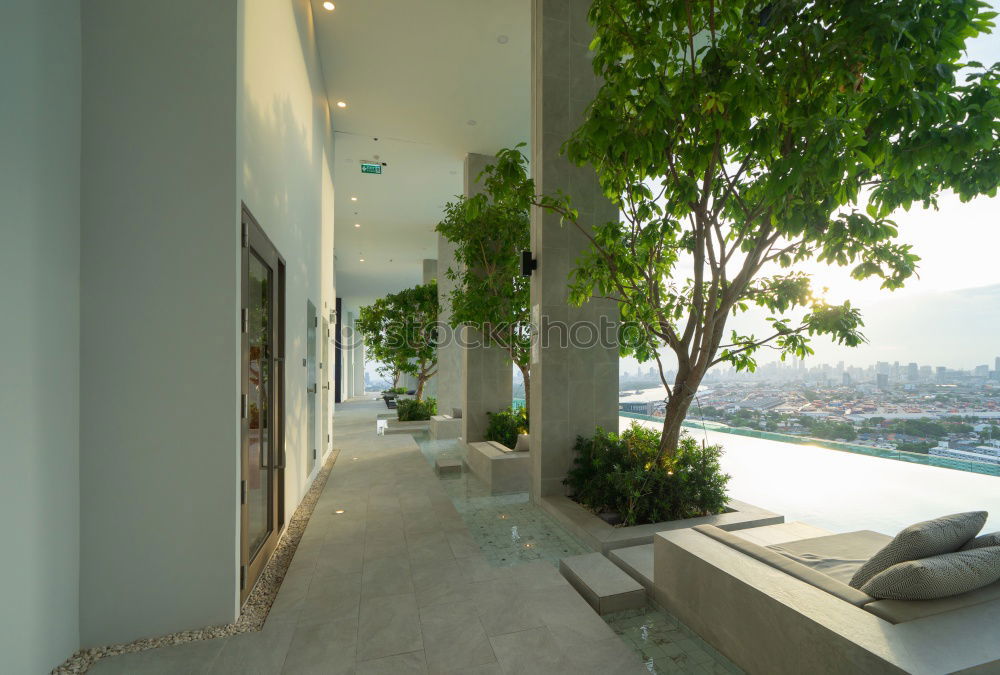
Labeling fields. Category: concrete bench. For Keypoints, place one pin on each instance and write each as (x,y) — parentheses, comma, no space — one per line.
(604,585)
(500,468)
(444,427)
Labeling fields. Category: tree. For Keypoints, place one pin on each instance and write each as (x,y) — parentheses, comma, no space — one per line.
(741,138)
(490,294)
(400,330)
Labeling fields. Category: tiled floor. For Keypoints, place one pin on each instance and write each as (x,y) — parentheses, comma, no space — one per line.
(388,579)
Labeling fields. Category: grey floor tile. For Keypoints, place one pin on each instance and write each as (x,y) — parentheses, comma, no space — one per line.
(118,665)
(504,608)
(386,576)
(322,648)
(389,625)
(529,652)
(337,596)
(454,638)
(255,652)
(412,663)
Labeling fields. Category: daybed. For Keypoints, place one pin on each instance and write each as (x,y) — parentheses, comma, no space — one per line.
(788,608)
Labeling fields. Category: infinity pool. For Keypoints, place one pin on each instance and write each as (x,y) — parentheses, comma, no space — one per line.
(841,491)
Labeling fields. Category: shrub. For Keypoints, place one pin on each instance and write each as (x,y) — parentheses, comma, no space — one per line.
(621,474)
(506,425)
(398,390)
(412,410)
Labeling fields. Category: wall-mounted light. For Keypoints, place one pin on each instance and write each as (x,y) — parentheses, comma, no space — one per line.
(528,264)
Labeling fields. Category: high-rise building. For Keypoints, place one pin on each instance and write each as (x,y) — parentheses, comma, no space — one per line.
(912,372)
(883,381)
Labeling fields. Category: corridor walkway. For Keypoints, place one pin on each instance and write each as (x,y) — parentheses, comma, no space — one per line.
(387,579)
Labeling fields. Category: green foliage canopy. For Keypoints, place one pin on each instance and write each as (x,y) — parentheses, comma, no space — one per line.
(741,138)
(400,331)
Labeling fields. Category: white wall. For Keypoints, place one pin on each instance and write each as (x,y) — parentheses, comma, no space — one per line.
(40,310)
(286,155)
(160,349)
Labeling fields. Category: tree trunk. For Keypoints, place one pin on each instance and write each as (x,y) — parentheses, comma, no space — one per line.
(420,386)
(677,408)
(527,389)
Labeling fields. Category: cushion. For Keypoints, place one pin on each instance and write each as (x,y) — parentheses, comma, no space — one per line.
(522,443)
(835,555)
(992,539)
(456,413)
(923,540)
(789,567)
(939,576)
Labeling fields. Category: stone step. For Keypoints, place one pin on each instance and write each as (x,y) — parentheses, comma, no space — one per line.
(637,562)
(602,584)
(447,465)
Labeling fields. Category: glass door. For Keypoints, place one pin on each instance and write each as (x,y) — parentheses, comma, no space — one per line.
(261,402)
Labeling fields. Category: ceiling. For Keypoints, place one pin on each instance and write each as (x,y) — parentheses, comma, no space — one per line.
(431,81)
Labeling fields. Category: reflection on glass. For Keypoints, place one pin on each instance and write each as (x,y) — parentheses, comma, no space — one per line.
(259,377)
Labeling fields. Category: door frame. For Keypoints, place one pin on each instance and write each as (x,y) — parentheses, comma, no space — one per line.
(254,238)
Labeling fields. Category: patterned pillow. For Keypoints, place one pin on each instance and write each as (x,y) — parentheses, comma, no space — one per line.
(922,540)
(992,539)
(936,577)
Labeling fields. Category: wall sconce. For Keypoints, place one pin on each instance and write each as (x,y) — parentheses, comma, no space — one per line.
(528,264)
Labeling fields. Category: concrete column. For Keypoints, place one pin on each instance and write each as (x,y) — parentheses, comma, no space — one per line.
(430,274)
(358,370)
(449,377)
(348,379)
(574,384)
(487,376)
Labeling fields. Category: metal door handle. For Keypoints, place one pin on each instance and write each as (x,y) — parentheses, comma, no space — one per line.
(311,390)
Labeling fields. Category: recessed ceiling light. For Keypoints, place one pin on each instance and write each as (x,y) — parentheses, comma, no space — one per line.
(357,224)
(362,260)
(503,39)
(329,6)
(341,104)
(354,199)
(339,511)
(471,123)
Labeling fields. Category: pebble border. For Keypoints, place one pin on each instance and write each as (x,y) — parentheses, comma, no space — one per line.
(255,609)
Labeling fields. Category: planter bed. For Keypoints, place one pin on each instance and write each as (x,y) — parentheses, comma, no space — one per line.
(597,534)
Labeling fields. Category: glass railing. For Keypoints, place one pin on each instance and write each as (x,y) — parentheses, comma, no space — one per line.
(886,453)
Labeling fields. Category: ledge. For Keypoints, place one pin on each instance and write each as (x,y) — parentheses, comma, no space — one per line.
(598,535)
(394,426)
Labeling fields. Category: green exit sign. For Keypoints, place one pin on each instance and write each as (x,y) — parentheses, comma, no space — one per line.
(371,167)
